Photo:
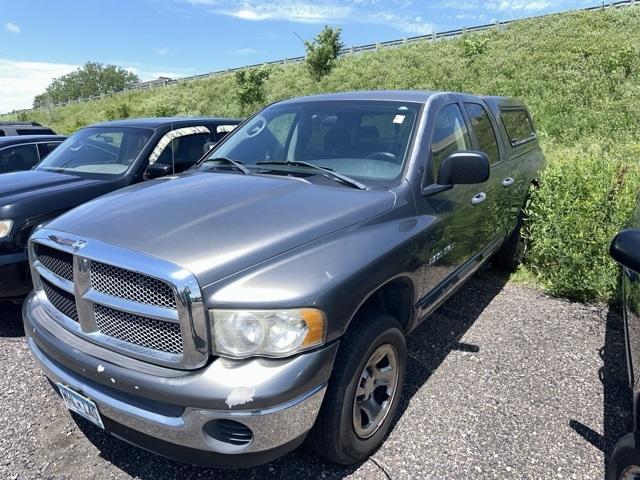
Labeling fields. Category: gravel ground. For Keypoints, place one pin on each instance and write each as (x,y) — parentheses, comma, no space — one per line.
(503,382)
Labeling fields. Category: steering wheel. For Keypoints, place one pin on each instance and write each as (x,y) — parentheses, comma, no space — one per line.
(385,156)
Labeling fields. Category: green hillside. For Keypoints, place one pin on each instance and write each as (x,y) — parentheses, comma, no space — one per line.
(578,72)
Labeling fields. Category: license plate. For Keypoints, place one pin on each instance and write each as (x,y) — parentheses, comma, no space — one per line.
(80,405)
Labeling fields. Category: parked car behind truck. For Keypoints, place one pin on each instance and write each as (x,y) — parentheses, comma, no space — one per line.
(19,153)
(94,161)
(624,463)
(264,297)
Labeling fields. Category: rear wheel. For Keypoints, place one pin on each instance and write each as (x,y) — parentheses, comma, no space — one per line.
(624,463)
(513,250)
(364,391)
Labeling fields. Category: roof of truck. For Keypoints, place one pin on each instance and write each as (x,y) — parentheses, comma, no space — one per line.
(164,121)
(418,96)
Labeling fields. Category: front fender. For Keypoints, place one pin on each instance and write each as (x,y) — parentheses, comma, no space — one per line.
(336,273)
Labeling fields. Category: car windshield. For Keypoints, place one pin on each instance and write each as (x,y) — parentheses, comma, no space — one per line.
(97,151)
(367,140)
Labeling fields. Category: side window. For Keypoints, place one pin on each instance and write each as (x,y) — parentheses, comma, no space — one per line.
(20,157)
(46,148)
(518,124)
(486,136)
(183,151)
(223,130)
(280,127)
(449,135)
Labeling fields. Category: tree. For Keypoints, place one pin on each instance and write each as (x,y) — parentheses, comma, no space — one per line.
(323,51)
(251,88)
(89,80)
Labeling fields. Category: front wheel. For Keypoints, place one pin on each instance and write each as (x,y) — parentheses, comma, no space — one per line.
(364,391)
(624,463)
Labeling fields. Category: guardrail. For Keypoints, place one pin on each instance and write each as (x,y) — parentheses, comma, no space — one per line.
(345,51)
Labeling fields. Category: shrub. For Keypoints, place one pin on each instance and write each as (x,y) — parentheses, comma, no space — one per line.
(587,195)
(322,52)
(251,88)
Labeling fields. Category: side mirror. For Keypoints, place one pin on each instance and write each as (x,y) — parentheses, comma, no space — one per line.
(625,249)
(206,148)
(156,170)
(464,168)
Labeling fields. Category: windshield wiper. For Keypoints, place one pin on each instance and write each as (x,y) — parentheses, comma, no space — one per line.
(325,172)
(234,163)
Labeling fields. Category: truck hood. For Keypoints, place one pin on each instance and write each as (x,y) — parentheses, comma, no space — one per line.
(17,186)
(216,224)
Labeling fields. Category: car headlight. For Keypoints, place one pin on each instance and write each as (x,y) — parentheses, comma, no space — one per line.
(270,333)
(5,228)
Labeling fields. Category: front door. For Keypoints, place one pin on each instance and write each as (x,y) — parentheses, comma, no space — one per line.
(453,239)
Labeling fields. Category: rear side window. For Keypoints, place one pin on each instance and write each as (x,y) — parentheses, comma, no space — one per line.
(47,148)
(20,157)
(486,136)
(449,135)
(518,124)
(35,131)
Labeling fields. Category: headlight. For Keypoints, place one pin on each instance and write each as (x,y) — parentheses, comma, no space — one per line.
(5,228)
(272,333)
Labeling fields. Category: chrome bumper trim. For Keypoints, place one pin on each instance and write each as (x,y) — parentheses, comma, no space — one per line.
(271,427)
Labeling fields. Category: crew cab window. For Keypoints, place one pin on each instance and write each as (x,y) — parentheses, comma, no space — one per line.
(518,124)
(450,135)
(485,135)
(19,157)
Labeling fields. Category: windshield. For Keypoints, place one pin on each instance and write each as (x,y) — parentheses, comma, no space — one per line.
(97,150)
(367,140)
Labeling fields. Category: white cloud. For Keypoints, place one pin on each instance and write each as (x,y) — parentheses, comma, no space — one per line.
(161,51)
(12,27)
(21,81)
(243,51)
(515,5)
(399,14)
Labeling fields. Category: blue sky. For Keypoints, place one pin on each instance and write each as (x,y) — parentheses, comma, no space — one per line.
(42,39)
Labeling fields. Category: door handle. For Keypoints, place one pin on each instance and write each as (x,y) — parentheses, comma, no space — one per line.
(479,198)
(507,182)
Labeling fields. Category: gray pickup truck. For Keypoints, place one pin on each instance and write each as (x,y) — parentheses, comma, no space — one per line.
(224,315)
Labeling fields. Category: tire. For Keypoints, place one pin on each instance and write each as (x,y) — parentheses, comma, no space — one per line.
(512,251)
(625,459)
(334,434)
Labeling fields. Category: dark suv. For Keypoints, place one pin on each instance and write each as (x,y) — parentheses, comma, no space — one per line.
(9,129)
(93,161)
(25,152)
(263,297)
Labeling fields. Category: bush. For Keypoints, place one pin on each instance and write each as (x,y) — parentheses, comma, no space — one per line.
(587,195)
(251,88)
(323,52)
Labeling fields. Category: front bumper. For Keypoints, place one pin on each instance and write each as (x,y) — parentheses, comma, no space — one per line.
(15,278)
(165,410)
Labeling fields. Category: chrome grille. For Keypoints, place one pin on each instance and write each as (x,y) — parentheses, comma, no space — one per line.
(110,302)
(61,300)
(146,332)
(57,261)
(122,283)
